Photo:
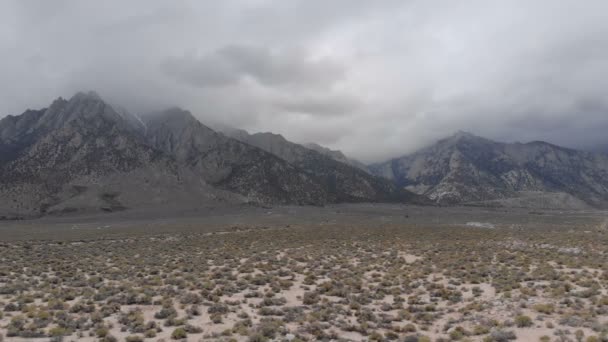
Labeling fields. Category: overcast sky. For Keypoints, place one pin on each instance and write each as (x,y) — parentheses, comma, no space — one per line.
(375,79)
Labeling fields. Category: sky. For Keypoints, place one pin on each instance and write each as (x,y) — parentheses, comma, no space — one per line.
(375,79)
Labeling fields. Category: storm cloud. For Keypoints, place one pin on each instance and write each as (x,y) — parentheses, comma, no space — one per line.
(230,64)
(376,79)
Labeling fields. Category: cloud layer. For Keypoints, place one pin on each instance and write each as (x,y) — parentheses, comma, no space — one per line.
(376,79)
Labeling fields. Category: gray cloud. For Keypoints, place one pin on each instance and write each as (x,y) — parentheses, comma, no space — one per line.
(229,64)
(319,104)
(206,71)
(375,79)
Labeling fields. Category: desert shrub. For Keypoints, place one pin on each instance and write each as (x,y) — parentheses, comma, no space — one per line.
(194,310)
(310,298)
(523,321)
(269,328)
(579,334)
(390,335)
(500,336)
(58,331)
(458,333)
(174,321)
(375,336)
(150,333)
(409,328)
(108,338)
(257,337)
(546,309)
(416,338)
(480,329)
(191,329)
(165,312)
(218,308)
(216,318)
(102,332)
(179,333)
(190,298)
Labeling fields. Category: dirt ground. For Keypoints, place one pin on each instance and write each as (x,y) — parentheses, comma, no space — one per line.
(360,272)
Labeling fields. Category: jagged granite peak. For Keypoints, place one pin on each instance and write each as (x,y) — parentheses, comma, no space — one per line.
(82,106)
(465,168)
(83,111)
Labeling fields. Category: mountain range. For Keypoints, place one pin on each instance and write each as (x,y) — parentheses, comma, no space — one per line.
(82,154)
(465,168)
(471,170)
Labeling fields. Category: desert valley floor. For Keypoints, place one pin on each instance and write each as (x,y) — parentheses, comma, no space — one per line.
(349,272)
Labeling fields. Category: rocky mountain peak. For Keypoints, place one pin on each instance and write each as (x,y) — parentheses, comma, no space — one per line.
(87,108)
(463,137)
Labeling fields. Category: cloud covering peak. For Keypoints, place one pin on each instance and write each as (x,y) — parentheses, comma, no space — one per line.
(374,79)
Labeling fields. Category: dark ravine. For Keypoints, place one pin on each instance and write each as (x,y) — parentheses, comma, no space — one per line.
(466,168)
(81,154)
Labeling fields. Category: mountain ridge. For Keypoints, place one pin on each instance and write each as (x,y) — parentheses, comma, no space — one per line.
(465,168)
(82,154)
(352,182)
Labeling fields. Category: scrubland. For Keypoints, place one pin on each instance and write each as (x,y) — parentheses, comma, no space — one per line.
(376,280)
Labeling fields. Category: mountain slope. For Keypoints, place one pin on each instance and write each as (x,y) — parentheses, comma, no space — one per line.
(83,155)
(230,164)
(345,182)
(466,168)
(79,155)
(336,155)
(265,166)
